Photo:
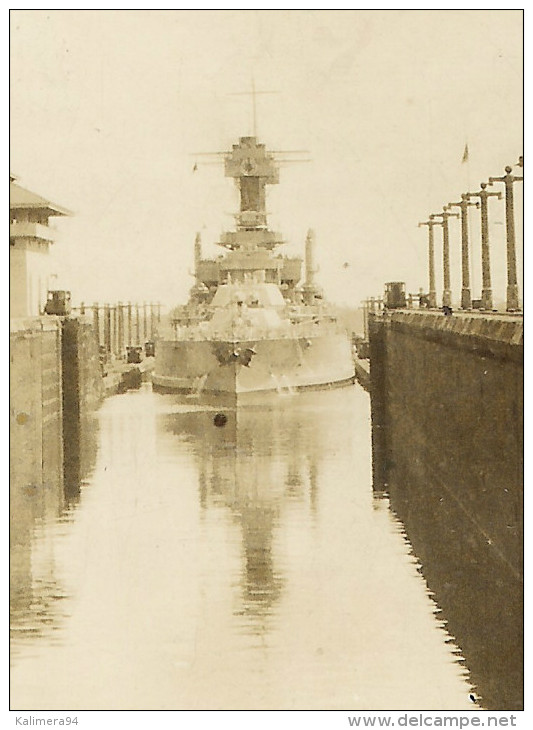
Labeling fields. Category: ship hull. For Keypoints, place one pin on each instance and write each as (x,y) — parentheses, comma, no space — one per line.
(237,368)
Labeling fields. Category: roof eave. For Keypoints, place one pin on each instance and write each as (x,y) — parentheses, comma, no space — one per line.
(52,210)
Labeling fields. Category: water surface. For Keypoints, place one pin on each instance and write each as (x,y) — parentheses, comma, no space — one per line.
(242,566)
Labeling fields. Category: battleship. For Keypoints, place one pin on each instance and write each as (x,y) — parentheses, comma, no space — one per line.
(251,324)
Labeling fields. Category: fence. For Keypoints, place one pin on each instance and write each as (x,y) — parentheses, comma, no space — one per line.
(122,325)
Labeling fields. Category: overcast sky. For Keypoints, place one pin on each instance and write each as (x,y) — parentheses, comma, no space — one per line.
(107,108)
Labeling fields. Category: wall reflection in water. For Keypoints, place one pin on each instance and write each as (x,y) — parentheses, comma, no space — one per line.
(42,497)
(479,592)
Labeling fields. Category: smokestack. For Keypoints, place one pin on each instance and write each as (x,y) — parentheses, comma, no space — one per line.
(310,258)
(197,253)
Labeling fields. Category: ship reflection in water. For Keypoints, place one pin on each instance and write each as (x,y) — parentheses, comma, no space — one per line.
(231,559)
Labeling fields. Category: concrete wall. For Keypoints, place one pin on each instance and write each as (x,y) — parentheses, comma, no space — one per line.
(29,277)
(450,392)
(35,401)
(18,286)
(55,386)
(82,393)
(82,378)
(447,435)
(36,453)
(45,470)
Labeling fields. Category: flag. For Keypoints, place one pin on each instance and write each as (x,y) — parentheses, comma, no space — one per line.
(465,154)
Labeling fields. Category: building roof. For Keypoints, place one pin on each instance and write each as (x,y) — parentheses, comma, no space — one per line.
(20,198)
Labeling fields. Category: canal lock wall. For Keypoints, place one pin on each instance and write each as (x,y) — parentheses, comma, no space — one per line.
(447,441)
(55,386)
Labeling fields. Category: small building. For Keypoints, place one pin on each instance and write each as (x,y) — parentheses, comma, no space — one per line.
(30,236)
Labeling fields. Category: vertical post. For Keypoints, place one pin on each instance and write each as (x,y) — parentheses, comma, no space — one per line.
(512,282)
(446,287)
(432,292)
(466,294)
(158,312)
(120,329)
(117,340)
(96,322)
(152,322)
(486,283)
(107,329)
(130,329)
(512,279)
(82,308)
(115,329)
(145,323)
(486,291)
(137,325)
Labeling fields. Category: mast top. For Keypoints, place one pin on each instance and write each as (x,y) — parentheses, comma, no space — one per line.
(254,94)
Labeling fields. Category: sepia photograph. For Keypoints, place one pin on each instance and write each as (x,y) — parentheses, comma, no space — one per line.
(266,365)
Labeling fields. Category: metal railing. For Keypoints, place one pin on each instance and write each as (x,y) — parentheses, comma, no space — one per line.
(239,332)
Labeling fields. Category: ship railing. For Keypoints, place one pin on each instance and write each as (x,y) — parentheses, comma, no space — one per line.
(309,329)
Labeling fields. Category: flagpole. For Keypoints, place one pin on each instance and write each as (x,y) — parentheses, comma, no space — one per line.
(466,158)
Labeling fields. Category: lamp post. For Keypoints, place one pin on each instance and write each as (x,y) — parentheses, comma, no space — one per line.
(446,290)
(512,283)
(466,296)
(486,291)
(432,293)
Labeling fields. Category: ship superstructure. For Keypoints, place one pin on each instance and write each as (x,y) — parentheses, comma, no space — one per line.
(250,323)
